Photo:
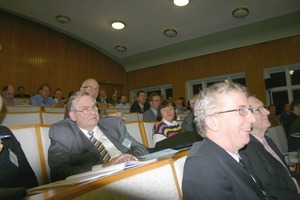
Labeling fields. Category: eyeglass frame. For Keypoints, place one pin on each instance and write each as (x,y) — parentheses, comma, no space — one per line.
(260,109)
(240,110)
(89,87)
(167,109)
(87,110)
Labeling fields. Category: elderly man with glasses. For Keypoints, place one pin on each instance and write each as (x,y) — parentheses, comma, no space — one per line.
(213,168)
(82,142)
(265,160)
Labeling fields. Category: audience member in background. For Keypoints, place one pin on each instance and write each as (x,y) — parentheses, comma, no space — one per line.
(103,97)
(123,103)
(162,98)
(151,114)
(166,125)
(285,114)
(21,93)
(273,117)
(43,97)
(59,99)
(113,101)
(294,113)
(212,169)
(170,99)
(140,105)
(265,160)
(74,152)
(8,92)
(182,99)
(179,108)
(188,122)
(294,143)
(15,171)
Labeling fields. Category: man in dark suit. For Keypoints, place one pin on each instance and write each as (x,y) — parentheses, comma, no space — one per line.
(213,169)
(140,105)
(72,151)
(151,114)
(262,157)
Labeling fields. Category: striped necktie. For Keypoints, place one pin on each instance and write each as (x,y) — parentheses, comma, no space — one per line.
(100,147)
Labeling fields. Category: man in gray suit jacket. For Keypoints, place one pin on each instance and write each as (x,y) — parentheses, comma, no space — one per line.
(71,150)
(213,169)
(151,114)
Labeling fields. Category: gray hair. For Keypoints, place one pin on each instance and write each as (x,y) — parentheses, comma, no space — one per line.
(207,102)
(77,95)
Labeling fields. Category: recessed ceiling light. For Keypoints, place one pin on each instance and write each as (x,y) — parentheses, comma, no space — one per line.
(181,2)
(118,25)
(170,32)
(240,12)
(62,19)
(120,48)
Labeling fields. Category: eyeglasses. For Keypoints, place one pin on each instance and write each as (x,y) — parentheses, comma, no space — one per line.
(89,87)
(167,109)
(243,111)
(261,109)
(87,110)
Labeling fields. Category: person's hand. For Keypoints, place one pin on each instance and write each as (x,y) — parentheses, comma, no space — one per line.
(1,145)
(120,159)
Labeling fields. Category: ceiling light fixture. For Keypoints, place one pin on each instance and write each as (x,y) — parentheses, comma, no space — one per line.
(170,32)
(240,12)
(181,2)
(118,25)
(120,48)
(62,19)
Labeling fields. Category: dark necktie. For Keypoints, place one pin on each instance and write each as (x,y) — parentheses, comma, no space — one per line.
(44,102)
(100,147)
(257,184)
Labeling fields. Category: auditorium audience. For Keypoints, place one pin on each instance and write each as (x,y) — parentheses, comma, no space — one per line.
(294,141)
(140,105)
(59,99)
(262,156)
(151,114)
(123,103)
(166,125)
(213,169)
(16,174)
(294,113)
(103,97)
(285,114)
(73,152)
(43,97)
(8,92)
(21,93)
(188,122)
(179,108)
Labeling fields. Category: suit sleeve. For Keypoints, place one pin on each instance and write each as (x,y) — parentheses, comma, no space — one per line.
(64,160)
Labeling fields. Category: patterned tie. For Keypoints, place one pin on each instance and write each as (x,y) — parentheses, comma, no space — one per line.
(100,147)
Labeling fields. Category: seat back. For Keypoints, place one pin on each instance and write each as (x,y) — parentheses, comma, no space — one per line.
(18,109)
(14,119)
(51,117)
(54,109)
(133,129)
(277,134)
(148,126)
(29,138)
(45,142)
(130,117)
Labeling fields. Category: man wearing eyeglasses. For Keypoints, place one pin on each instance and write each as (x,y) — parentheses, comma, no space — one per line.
(82,143)
(265,160)
(213,168)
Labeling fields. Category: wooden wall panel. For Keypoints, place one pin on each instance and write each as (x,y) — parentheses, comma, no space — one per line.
(34,54)
(251,59)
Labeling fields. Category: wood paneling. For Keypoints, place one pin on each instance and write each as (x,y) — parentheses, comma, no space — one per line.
(34,54)
(251,59)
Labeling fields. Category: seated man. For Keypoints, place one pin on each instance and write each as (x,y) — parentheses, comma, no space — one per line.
(72,150)
(263,157)
(16,175)
(8,92)
(42,98)
(151,114)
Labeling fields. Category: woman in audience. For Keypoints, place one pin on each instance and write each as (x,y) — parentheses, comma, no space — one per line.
(166,125)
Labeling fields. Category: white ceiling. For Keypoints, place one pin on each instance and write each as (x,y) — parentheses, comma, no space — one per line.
(203,26)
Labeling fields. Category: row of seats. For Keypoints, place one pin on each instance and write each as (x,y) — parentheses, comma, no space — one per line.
(35,142)
(27,108)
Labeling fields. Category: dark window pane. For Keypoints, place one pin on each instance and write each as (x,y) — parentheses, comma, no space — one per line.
(296,77)
(211,83)
(169,93)
(279,99)
(197,88)
(296,94)
(150,92)
(241,81)
(278,79)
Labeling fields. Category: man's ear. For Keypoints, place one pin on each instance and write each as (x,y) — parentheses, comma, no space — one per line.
(72,116)
(211,123)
